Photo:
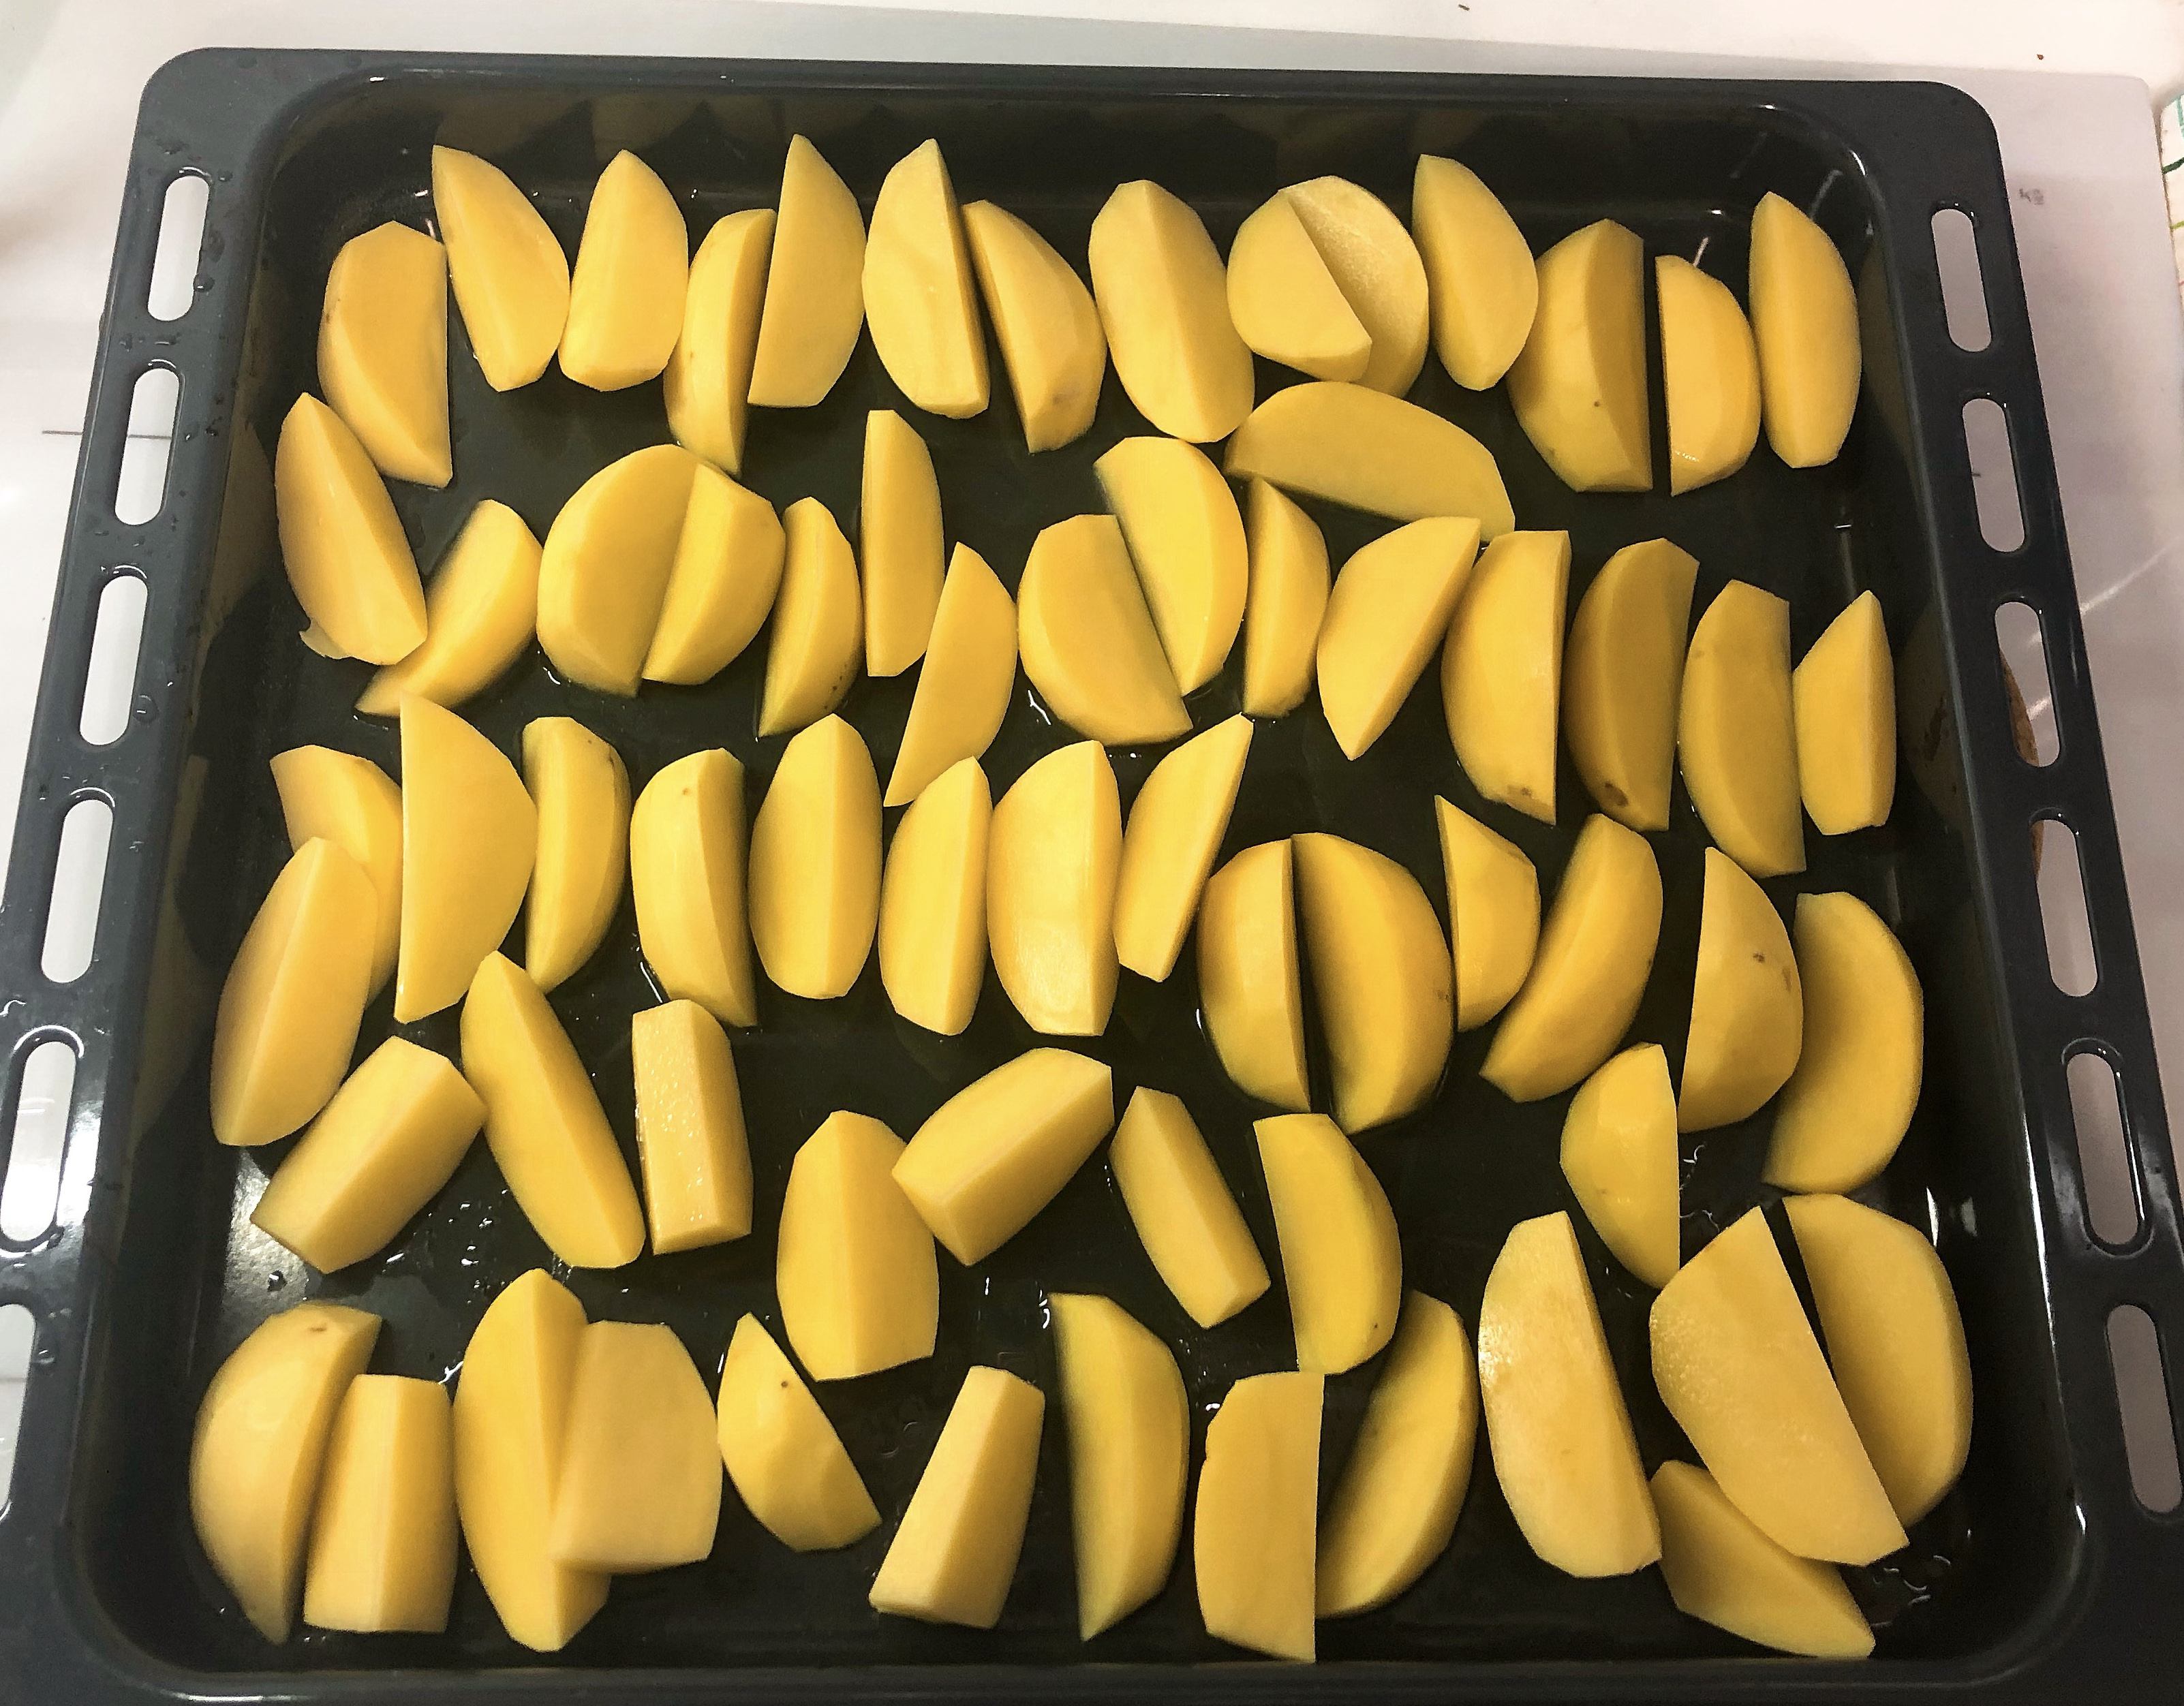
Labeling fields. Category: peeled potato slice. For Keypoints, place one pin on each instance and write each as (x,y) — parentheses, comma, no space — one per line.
(342,544)
(721,583)
(815,863)
(1045,321)
(859,1283)
(1710,372)
(1622,674)
(1723,1570)
(1186,539)
(1843,698)
(1484,287)
(1175,829)
(706,382)
(1052,860)
(1804,319)
(1620,1157)
(1190,1224)
(604,575)
(688,856)
(582,792)
(1376,266)
(815,294)
(1285,303)
(919,298)
(690,1142)
(1579,385)
(1254,1530)
(933,902)
(480,613)
(1284,604)
(383,1534)
(1502,668)
(1389,607)
(383,350)
(1341,1264)
(510,278)
(1748,1011)
(1086,638)
(963,687)
(818,623)
(1250,982)
(625,294)
(782,1452)
(640,1482)
(1493,911)
(1736,731)
(351,802)
(899,544)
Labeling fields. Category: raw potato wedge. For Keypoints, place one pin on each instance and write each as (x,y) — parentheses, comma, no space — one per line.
(1045,321)
(814,292)
(707,384)
(383,350)
(352,803)
(1596,952)
(1180,1204)
(1255,1528)
(1389,608)
(1578,386)
(1285,303)
(480,613)
(1086,638)
(1623,678)
(1052,858)
(348,559)
(1162,295)
(955,1553)
(1710,372)
(859,1283)
(933,902)
(1561,1438)
(382,1553)
(1843,699)
(1847,1105)
(1341,1264)
(782,1452)
(1747,1010)
(1128,1426)
(1250,982)
(608,556)
(1736,731)
(722,582)
(259,1445)
(1186,540)
(1285,602)
(691,1146)
(815,863)
(640,1482)
(1742,1373)
(919,298)
(818,623)
(1175,829)
(1723,1570)
(1376,266)
(1484,285)
(543,1122)
(577,782)
(1493,913)
(688,856)
(964,685)
(1620,1157)
(626,291)
(1804,319)
(510,278)
(1502,668)
(902,555)
(293,997)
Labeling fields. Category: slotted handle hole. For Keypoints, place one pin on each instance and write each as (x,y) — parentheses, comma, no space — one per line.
(1994,475)
(141,490)
(30,1189)
(17,1331)
(2149,1430)
(2104,1169)
(1964,290)
(109,685)
(79,881)
(174,284)
(2024,651)
(2069,932)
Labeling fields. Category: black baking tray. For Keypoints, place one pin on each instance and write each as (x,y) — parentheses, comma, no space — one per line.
(2040,1577)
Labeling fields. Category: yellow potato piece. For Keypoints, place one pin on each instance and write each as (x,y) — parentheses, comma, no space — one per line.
(609,556)
(352,803)
(1254,1530)
(1164,299)
(1847,1105)
(1045,322)
(1620,1157)
(1352,445)
(1284,604)
(690,1143)
(510,278)
(818,623)
(687,860)
(543,1122)
(1284,303)
(1185,537)
(383,350)
(1381,973)
(1389,607)
(1341,1265)
(1180,1204)
(383,1534)
(1376,265)
(1579,386)
(293,998)
(480,613)
(964,686)
(1596,952)
(953,1557)
(721,584)
(859,1282)
(706,383)
(341,541)
(1484,287)
(782,1452)
(470,836)
(1559,1434)
(1747,1010)
(1740,1370)
(1723,1570)
(1251,984)
(1843,701)
(1895,1344)
(1804,319)
(919,298)
(1129,1450)
(259,1444)
(815,294)
(394,1135)
(1052,855)
(1735,732)
(815,863)
(582,792)
(995,1152)
(626,291)
(1623,676)
(1710,372)
(1086,638)
(1502,668)
(933,902)
(640,1481)
(899,544)
(511,1419)
(1493,914)
(1175,829)
(1393,1511)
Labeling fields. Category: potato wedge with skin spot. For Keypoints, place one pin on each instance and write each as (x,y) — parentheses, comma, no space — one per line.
(1389,608)
(1394,1510)
(383,350)
(1843,701)
(543,1122)
(1285,303)
(293,998)
(392,1134)
(1619,1156)
(1502,668)
(1341,1264)
(259,1444)
(818,623)
(1623,676)
(1052,858)
(1710,372)
(691,1146)
(1352,445)
(814,292)
(919,298)
(1284,601)
(640,1481)
(995,1152)
(1735,732)
(1747,1010)
(901,551)
(1175,829)
(627,290)
(966,682)
(480,611)
(382,1552)
(782,1455)
(1162,294)
(1579,386)
(1128,1424)
(1250,983)
(1484,285)
(854,1269)
(1493,913)
(815,863)
(604,575)
(1086,638)
(1850,1101)
(1376,266)
(933,902)
(1180,1204)
(581,792)
(721,584)
(706,383)
(1186,540)
(1255,1527)
(688,859)
(1805,320)
(1723,1570)
(355,804)
(1596,952)
(348,561)
(510,278)
(1045,321)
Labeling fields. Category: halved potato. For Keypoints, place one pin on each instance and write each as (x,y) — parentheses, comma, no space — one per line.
(815,863)
(1805,318)
(1493,914)
(1623,676)
(1175,828)
(1251,984)
(510,278)
(352,803)
(901,555)
(919,298)
(1735,732)
(782,1452)
(1748,1011)
(581,792)
(859,1283)
(1721,1569)
(626,291)
(383,350)
(706,383)
(480,610)
(1620,1157)
(1578,386)
(640,1482)
(383,1554)
(1045,322)
(964,685)
(1284,603)
(1285,302)
(721,584)
(688,856)
(1710,371)
(933,902)
(1341,1263)
(1502,668)
(608,556)
(1389,607)
(1376,266)
(1484,287)
(1052,857)
(341,541)
(814,292)
(1843,698)
(1086,638)
(1190,1224)
(1255,1528)
(1186,540)
(818,623)
(691,1146)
